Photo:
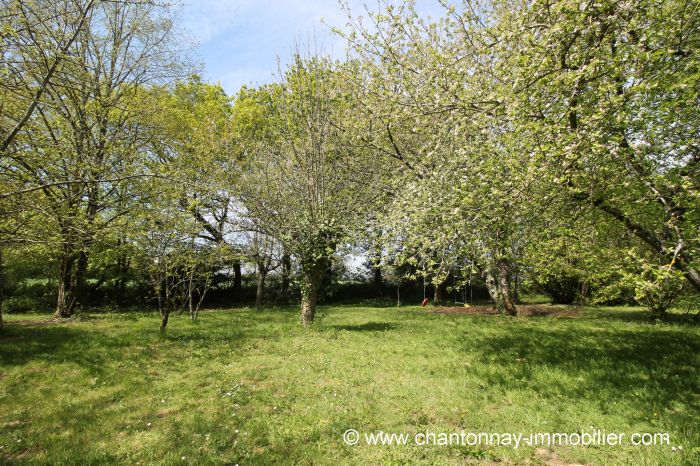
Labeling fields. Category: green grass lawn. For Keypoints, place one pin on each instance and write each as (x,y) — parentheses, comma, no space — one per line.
(248,387)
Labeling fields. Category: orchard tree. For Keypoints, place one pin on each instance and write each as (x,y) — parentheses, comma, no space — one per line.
(306,184)
(430,100)
(169,253)
(608,96)
(267,255)
(196,134)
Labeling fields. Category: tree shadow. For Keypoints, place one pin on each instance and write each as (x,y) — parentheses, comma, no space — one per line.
(659,365)
(20,345)
(366,327)
(644,317)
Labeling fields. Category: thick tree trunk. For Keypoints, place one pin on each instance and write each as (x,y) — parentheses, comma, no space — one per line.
(286,272)
(66,299)
(377,277)
(439,294)
(505,288)
(309,292)
(498,284)
(260,293)
(237,275)
(490,282)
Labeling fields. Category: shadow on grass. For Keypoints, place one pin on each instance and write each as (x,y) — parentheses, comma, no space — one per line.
(54,343)
(94,348)
(642,316)
(658,366)
(367,327)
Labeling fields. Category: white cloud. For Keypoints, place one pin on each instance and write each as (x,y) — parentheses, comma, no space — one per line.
(240,40)
(205,19)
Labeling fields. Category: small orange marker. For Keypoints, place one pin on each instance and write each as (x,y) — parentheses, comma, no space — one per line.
(425,302)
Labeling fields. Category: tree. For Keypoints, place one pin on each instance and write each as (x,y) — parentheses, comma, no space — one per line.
(430,94)
(498,111)
(197,133)
(609,91)
(306,185)
(84,143)
(266,254)
(169,254)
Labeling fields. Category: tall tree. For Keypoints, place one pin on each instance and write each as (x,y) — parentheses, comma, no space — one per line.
(610,93)
(431,97)
(86,134)
(306,184)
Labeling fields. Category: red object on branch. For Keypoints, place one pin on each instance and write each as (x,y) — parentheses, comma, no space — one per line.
(425,302)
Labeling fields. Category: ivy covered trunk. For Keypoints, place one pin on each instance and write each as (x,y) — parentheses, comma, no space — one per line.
(498,284)
(309,290)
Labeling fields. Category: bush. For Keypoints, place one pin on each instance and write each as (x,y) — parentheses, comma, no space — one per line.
(18,304)
(563,289)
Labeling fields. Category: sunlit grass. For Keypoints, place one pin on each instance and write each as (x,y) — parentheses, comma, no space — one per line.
(247,387)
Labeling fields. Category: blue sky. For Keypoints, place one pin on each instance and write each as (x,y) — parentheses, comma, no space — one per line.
(239,41)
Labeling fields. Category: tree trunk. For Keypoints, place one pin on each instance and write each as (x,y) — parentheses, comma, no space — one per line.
(377,278)
(65,301)
(163,302)
(376,268)
(81,278)
(122,268)
(237,275)
(498,284)
(490,282)
(309,292)
(190,297)
(439,294)
(505,288)
(164,314)
(516,288)
(259,295)
(286,272)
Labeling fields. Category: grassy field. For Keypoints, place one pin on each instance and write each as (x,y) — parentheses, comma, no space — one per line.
(252,387)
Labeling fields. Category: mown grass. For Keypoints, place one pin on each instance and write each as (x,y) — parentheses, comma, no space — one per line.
(253,387)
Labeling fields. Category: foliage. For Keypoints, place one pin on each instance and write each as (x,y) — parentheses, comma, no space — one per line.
(302,184)
(550,145)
